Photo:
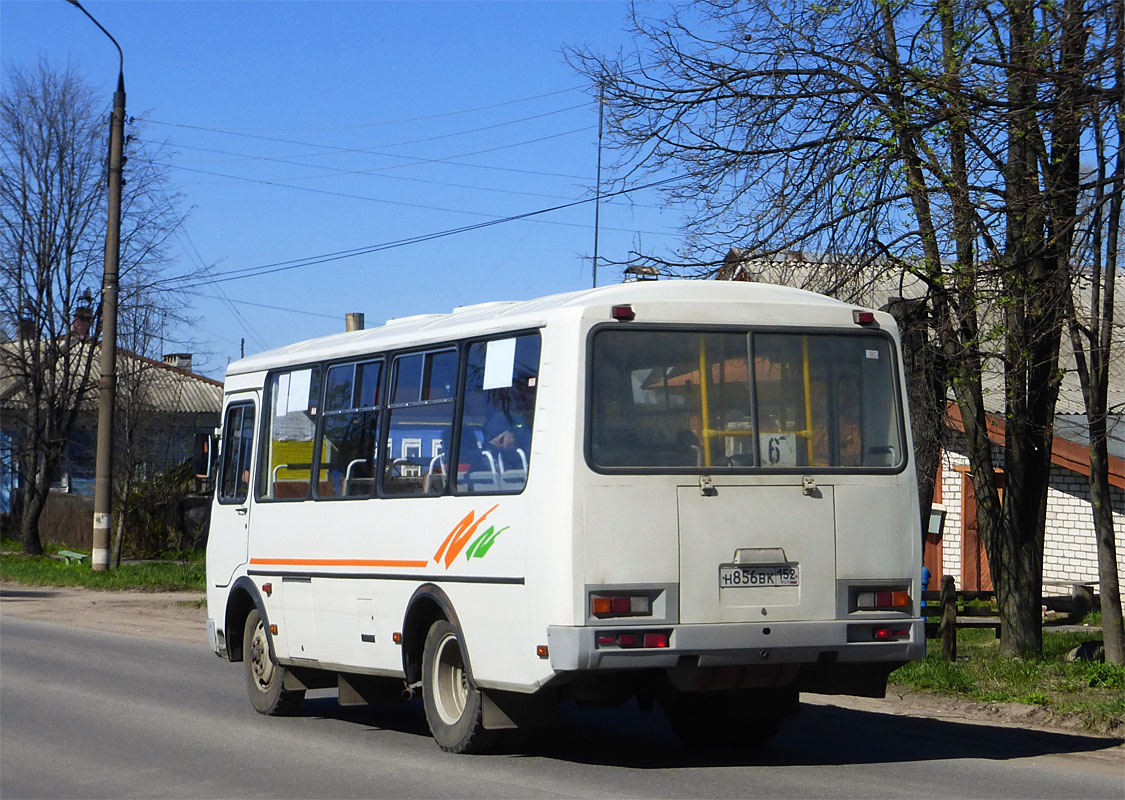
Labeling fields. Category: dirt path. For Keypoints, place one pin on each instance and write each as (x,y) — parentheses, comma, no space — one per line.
(174,616)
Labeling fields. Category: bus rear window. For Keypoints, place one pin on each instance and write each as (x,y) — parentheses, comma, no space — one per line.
(692,399)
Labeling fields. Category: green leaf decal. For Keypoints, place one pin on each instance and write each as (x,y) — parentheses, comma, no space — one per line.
(482,543)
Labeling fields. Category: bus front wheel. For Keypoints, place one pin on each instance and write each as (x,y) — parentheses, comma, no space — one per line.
(453,703)
(265,678)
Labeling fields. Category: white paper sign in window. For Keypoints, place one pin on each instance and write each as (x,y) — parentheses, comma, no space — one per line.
(300,382)
(282,401)
(499,364)
(778,449)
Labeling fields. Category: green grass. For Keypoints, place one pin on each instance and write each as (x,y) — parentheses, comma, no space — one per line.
(1091,691)
(185,573)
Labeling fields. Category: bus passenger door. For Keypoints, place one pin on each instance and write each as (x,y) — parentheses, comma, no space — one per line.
(230,516)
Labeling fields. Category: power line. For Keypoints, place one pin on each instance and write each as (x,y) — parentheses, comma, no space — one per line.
(419,159)
(334,150)
(264,305)
(422,118)
(282,266)
(403,203)
(340,172)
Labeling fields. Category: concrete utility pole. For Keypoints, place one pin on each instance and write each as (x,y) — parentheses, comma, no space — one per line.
(107,383)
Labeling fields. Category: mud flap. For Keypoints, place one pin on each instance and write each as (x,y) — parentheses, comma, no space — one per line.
(504,710)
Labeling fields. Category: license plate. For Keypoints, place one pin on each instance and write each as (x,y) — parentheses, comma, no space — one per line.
(731,576)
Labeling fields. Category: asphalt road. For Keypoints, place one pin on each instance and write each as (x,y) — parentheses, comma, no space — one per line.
(85,714)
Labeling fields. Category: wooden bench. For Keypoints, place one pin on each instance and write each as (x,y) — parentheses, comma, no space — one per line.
(948,610)
(72,557)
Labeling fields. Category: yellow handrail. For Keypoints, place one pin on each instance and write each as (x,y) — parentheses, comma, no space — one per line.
(808,396)
(703,401)
(708,433)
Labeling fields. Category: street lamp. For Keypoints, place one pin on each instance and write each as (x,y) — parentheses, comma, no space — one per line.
(107,384)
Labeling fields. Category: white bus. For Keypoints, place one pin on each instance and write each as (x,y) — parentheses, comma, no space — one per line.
(697,494)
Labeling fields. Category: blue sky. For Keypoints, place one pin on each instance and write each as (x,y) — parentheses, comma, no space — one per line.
(297,129)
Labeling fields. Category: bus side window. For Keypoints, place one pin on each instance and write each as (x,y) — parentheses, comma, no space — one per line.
(349,430)
(285,465)
(498,415)
(423,389)
(238,438)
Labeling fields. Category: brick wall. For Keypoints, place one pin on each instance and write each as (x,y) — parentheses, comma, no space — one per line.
(1069,550)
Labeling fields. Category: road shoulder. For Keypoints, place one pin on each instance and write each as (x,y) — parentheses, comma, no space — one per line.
(171,616)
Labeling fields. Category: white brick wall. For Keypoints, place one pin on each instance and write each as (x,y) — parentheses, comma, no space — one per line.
(1069,548)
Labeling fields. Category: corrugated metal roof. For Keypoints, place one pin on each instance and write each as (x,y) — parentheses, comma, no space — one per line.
(163,388)
(169,389)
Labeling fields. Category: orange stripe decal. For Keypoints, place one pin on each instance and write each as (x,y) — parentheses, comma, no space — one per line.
(335,562)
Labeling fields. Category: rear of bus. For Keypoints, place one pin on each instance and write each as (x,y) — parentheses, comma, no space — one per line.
(748,510)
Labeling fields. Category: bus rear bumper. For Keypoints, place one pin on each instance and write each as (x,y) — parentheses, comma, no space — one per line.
(576,648)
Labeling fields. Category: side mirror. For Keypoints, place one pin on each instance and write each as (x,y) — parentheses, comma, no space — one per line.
(203,455)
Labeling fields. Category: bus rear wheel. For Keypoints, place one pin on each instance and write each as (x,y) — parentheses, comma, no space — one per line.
(453,703)
(265,678)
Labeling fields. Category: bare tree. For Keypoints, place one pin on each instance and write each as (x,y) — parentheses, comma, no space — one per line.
(1091,326)
(940,138)
(52,226)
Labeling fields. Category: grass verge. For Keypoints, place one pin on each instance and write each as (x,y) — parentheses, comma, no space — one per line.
(182,573)
(1091,691)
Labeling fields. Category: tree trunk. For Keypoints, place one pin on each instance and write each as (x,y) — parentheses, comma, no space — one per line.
(34,500)
(1019,590)
(925,392)
(118,538)
(119,535)
(1113,634)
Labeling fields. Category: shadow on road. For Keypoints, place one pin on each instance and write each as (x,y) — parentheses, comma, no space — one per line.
(819,736)
(25,594)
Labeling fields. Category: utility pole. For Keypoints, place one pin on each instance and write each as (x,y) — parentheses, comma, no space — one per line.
(107,382)
(598,198)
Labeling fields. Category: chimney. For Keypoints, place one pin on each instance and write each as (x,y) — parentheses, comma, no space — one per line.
(178,360)
(25,328)
(353,321)
(80,325)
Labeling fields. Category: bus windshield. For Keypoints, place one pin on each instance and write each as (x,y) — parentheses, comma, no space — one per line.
(812,400)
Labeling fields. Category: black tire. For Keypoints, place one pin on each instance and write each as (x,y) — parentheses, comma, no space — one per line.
(453,703)
(710,721)
(265,678)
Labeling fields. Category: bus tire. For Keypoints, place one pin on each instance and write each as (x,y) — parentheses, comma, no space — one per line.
(265,678)
(453,703)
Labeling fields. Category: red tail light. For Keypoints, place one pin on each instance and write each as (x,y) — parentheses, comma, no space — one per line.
(891,634)
(624,639)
